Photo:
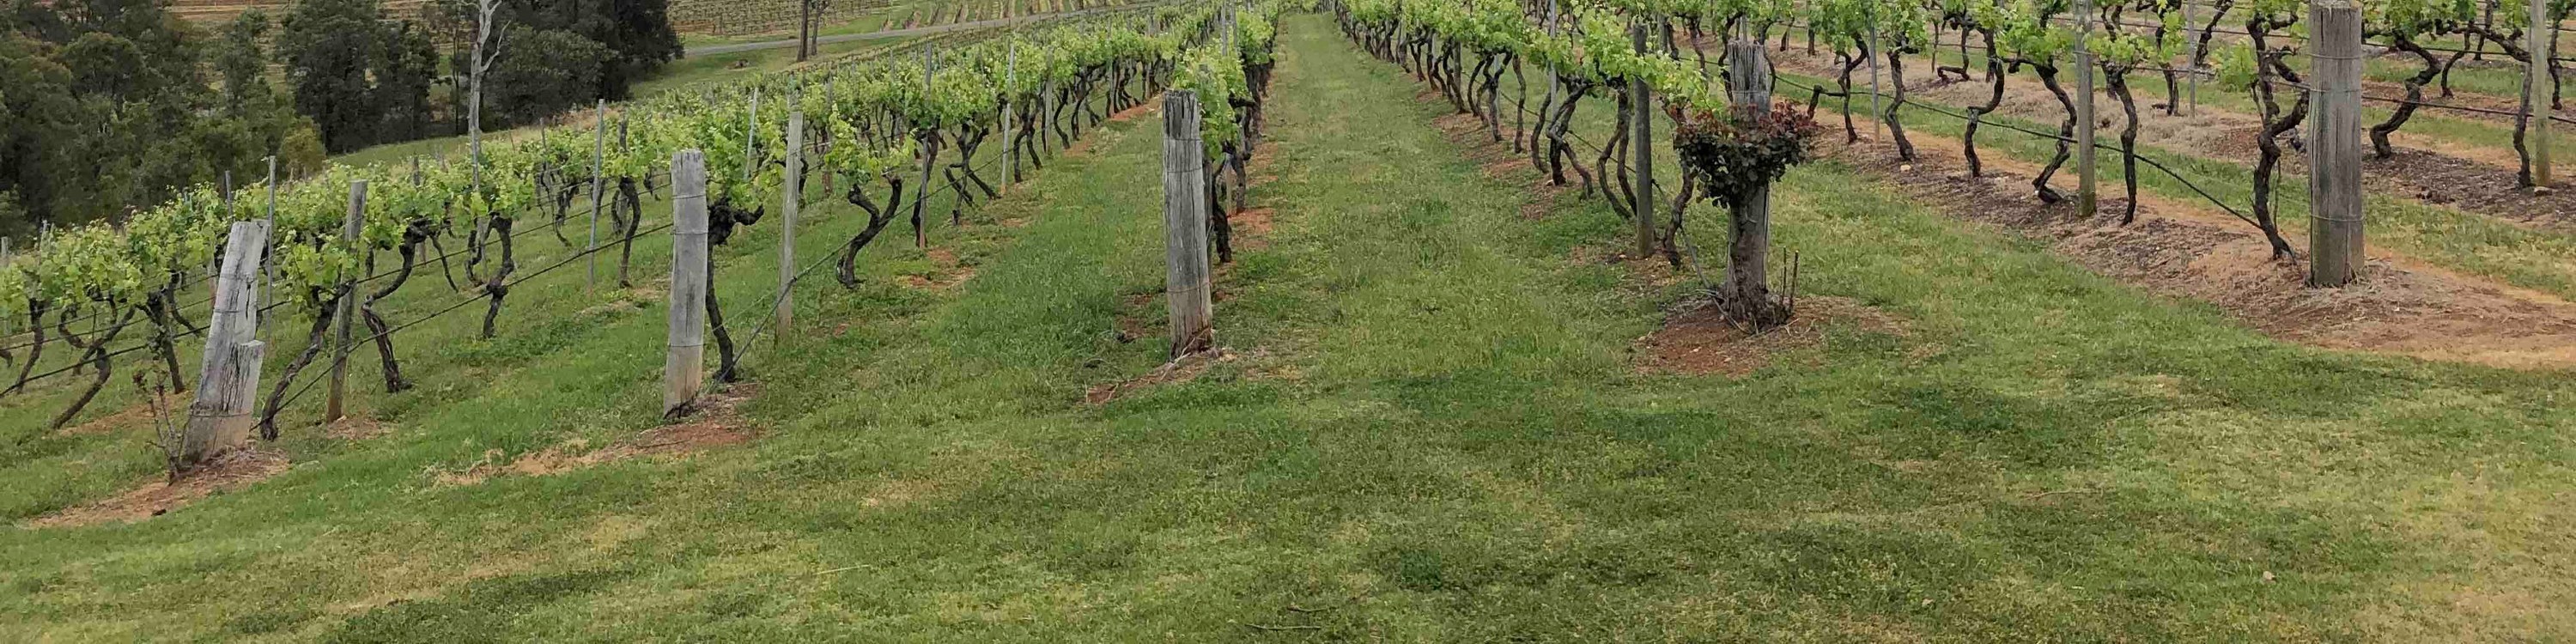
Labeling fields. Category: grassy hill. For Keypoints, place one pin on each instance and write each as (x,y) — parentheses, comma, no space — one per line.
(1440,415)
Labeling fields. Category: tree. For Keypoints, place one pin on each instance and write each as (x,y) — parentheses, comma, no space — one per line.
(329,48)
(240,62)
(405,69)
(543,73)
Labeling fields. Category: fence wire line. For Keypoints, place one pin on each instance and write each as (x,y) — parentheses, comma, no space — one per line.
(338,359)
(2552,113)
(1622,164)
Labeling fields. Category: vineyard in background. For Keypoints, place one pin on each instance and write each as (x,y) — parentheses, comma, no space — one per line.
(360,256)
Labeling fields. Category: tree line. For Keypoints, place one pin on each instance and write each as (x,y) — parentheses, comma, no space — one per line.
(112,103)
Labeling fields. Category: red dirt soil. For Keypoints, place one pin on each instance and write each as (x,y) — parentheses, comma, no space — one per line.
(2401,306)
(712,423)
(1698,341)
(229,472)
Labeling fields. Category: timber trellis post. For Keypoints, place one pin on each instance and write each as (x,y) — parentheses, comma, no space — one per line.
(1010,124)
(1748,84)
(1641,143)
(795,189)
(598,163)
(1185,224)
(219,420)
(2334,144)
(2536,84)
(333,407)
(2086,188)
(684,365)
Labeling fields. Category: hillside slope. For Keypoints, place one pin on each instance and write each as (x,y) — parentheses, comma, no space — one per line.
(1433,420)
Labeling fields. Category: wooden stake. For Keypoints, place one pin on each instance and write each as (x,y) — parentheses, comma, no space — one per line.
(1748,84)
(598,163)
(2334,143)
(2194,59)
(2087,192)
(268,269)
(220,418)
(1185,225)
(795,189)
(1010,125)
(684,365)
(1641,143)
(2536,85)
(333,407)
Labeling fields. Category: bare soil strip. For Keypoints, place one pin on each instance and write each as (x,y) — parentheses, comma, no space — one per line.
(2402,306)
(2474,179)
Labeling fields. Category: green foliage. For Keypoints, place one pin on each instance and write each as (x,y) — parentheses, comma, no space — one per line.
(112,105)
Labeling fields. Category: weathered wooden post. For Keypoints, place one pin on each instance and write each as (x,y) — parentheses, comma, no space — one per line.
(598,163)
(1010,124)
(332,407)
(1545,105)
(684,366)
(2087,190)
(220,418)
(751,138)
(2537,83)
(2334,143)
(1185,225)
(1641,144)
(1748,85)
(1877,112)
(795,192)
(2194,55)
(268,269)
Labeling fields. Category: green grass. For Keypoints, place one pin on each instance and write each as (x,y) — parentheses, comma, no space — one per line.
(1431,432)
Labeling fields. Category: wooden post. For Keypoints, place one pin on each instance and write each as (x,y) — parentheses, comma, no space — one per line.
(684,365)
(1010,125)
(2334,143)
(2536,84)
(795,189)
(1877,112)
(268,269)
(1185,225)
(8,325)
(2086,187)
(751,138)
(1641,143)
(598,163)
(1748,84)
(220,418)
(2194,55)
(333,407)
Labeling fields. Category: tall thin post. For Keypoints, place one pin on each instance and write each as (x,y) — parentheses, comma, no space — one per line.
(795,189)
(751,138)
(2086,189)
(268,269)
(2187,22)
(349,228)
(598,164)
(2536,89)
(219,420)
(8,326)
(1641,143)
(2334,143)
(1010,124)
(1551,65)
(684,364)
(1877,112)
(1748,84)
(1185,225)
